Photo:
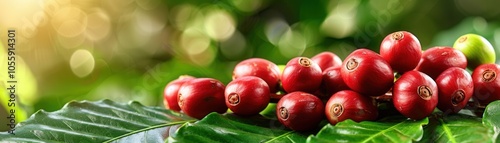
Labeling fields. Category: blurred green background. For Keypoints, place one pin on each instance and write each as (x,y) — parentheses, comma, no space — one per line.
(130,49)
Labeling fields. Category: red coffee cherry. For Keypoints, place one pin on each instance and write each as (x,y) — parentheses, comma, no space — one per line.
(437,59)
(258,67)
(170,94)
(301,74)
(300,111)
(347,104)
(247,95)
(367,73)
(455,89)
(401,50)
(415,95)
(201,96)
(486,84)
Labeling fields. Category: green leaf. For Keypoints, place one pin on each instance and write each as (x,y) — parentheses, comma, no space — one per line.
(231,128)
(491,118)
(391,129)
(101,121)
(456,128)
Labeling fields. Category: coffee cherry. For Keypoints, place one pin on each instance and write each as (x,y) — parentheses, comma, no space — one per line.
(300,111)
(332,82)
(477,49)
(201,96)
(326,60)
(486,84)
(415,95)
(455,89)
(347,104)
(170,94)
(247,95)
(401,50)
(437,59)
(258,67)
(365,72)
(301,74)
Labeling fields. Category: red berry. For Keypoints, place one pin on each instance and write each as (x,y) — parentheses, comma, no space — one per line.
(365,72)
(201,96)
(170,93)
(415,95)
(486,84)
(401,50)
(247,95)
(258,67)
(455,89)
(332,81)
(301,74)
(347,104)
(300,111)
(437,59)
(326,60)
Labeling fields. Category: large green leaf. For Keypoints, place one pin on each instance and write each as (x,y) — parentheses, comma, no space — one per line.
(231,128)
(101,121)
(491,118)
(456,128)
(392,129)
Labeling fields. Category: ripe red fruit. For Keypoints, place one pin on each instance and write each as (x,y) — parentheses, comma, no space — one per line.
(247,95)
(455,89)
(486,84)
(401,50)
(365,72)
(258,67)
(347,104)
(201,96)
(332,81)
(170,94)
(437,59)
(301,74)
(415,95)
(300,111)
(326,60)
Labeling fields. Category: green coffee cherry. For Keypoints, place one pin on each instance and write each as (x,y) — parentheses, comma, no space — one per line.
(476,48)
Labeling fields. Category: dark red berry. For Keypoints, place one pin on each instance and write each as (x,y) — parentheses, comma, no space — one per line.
(301,74)
(170,94)
(258,67)
(486,84)
(347,104)
(455,89)
(401,50)
(247,95)
(326,60)
(300,111)
(415,95)
(201,96)
(332,81)
(365,72)
(437,59)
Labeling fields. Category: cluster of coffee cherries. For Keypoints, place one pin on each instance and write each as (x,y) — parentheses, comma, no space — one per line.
(308,90)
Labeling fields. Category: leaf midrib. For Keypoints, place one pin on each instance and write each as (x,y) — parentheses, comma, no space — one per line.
(280,136)
(383,131)
(447,131)
(146,129)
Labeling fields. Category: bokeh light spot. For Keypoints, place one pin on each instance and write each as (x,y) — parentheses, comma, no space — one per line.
(247,5)
(234,47)
(194,42)
(99,25)
(275,29)
(219,25)
(69,21)
(292,44)
(82,63)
